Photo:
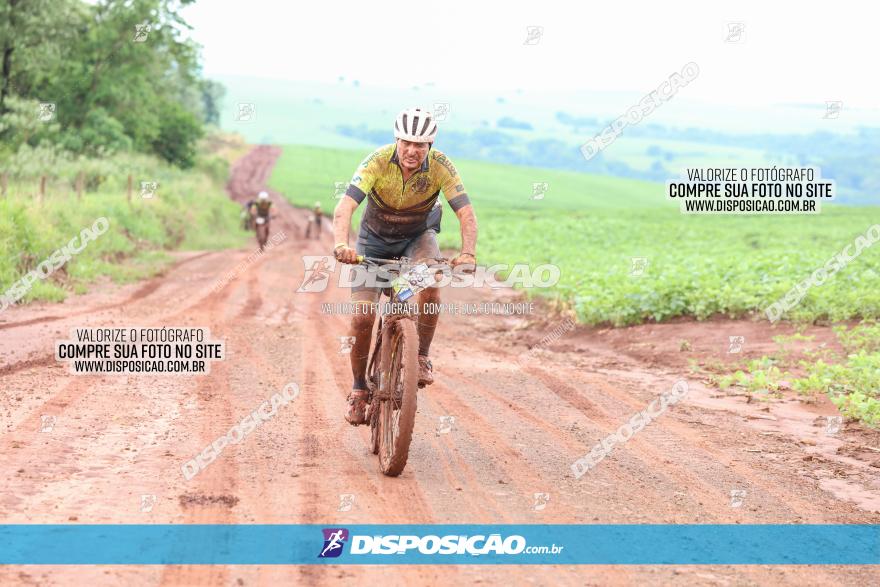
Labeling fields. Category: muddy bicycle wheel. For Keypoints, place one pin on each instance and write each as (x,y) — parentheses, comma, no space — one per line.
(374,427)
(262,235)
(373,381)
(397,409)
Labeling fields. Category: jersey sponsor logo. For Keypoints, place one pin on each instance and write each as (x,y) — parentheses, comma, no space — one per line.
(380,152)
(420,184)
(445,162)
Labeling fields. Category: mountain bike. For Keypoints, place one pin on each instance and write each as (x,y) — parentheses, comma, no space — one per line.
(393,367)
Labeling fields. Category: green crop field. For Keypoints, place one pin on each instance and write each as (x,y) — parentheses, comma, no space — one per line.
(593,226)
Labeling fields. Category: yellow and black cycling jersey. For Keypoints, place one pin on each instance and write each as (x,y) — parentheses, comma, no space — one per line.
(398,209)
(262,207)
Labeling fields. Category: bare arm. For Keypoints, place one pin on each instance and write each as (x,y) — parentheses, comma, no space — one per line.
(467,220)
(342,219)
(341,224)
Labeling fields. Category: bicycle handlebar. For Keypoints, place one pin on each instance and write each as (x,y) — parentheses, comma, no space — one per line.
(364,260)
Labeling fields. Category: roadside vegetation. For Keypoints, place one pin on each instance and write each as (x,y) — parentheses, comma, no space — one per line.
(104,114)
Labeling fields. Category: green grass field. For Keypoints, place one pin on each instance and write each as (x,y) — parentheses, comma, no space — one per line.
(593,226)
(190,211)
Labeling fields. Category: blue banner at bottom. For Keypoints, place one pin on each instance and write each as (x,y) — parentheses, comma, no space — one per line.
(847,544)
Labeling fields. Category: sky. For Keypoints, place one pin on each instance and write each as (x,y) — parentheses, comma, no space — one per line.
(787,52)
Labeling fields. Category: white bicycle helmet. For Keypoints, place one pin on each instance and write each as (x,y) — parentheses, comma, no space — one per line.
(263,196)
(415,125)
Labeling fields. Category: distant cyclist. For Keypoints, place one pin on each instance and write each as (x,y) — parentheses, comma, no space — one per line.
(246,215)
(261,206)
(315,223)
(401,183)
(261,209)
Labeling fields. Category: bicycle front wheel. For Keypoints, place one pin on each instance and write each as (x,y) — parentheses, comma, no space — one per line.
(400,379)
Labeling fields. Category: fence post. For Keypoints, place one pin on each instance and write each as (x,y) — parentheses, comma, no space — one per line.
(4,183)
(42,188)
(80,180)
(129,187)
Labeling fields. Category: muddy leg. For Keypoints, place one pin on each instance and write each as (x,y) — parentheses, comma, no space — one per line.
(362,331)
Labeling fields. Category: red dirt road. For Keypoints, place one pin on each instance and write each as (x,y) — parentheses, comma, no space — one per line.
(516,430)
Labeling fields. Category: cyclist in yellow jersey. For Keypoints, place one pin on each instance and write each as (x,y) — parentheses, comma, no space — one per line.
(401,183)
(261,206)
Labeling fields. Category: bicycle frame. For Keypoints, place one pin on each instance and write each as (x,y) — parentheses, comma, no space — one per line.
(393,371)
(372,384)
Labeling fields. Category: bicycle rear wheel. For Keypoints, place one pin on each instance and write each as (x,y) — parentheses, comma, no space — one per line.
(397,409)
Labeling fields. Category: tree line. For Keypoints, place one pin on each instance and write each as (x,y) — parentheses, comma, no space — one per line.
(97,78)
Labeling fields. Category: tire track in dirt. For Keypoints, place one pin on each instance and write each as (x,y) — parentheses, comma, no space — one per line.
(683,478)
(681,435)
(140,293)
(710,467)
(45,361)
(456,471)
(212,494)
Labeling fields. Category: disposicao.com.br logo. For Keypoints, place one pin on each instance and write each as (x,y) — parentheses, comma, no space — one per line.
(411,544)
(334,540)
